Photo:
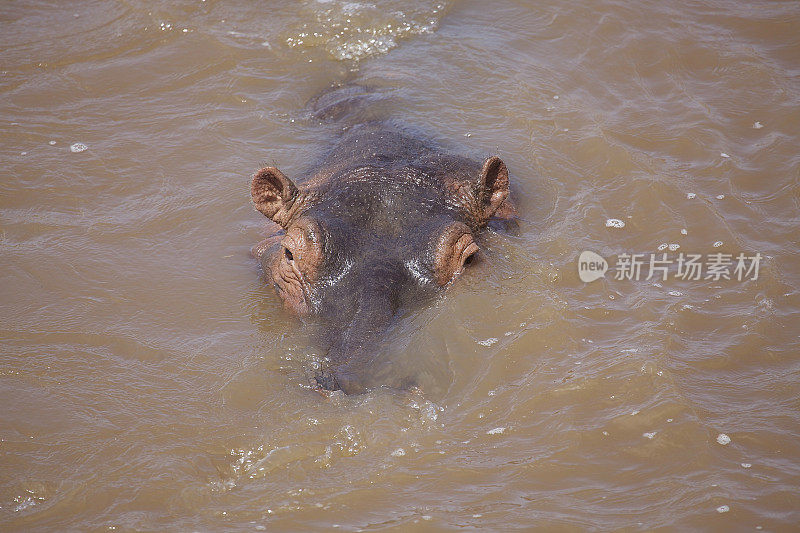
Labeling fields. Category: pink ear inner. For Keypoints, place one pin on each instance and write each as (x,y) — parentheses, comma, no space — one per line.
(272,191)
(494,185)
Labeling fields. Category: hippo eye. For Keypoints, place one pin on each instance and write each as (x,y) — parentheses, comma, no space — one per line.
(466,249)
(454,250)
(288,254)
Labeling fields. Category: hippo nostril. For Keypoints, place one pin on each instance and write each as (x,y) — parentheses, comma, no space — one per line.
(288,254)
(469,259)
(326,380)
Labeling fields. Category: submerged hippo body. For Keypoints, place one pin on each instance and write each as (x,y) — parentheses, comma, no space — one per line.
(386,220)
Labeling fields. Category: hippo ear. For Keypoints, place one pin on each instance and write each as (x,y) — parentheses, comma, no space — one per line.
(492,186)
(273,193)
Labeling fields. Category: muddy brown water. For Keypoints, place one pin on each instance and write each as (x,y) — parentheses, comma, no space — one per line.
(150,380)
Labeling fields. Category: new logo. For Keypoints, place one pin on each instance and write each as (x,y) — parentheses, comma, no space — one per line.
(591,266)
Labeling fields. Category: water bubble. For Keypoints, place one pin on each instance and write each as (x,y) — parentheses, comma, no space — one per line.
(757,125)
(723,154)
(720,197)
(662,246)
(723,509)
(399,452)
(614,223)
(78,147)
(691,196)
(717,244)
(496,431)
(488,342)
(26,502)
(675,293)
(650,435)
(673,247)
(723,439)
(52,143)
(684,232)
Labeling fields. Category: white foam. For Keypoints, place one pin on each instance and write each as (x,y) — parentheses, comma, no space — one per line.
(723,154)
(78,147)
(684,232)
(649,435)
(720,197)
(691,196)
(488,342)
(496,431)
(614,223)
(25,502)
(662,246)
(723,439)
(717,244)
(723,509)
(399,452)
(674,246)
(757,125)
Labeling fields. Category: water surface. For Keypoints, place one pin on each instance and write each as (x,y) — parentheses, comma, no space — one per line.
(150,380)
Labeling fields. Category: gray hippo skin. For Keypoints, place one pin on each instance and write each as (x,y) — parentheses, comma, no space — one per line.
(386,220)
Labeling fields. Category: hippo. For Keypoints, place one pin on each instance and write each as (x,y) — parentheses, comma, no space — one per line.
(387,219)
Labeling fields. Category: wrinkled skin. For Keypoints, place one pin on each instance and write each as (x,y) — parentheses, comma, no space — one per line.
(386,221)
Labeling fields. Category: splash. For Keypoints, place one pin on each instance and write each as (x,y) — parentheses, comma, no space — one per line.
(351,31)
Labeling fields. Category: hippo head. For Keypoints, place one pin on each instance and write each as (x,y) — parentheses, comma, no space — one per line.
(358,244)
